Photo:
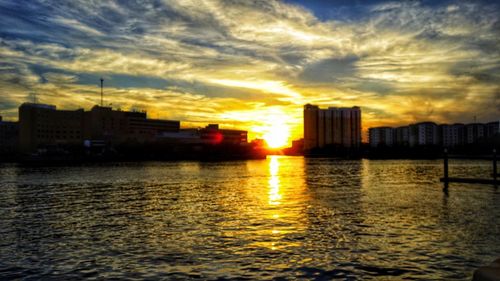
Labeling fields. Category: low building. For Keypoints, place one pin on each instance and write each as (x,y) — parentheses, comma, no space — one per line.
(9,136)
(43,126)
(214,135)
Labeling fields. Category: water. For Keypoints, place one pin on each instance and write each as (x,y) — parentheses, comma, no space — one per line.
(280,218)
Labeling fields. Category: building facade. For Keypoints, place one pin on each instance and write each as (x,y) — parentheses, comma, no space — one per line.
(381,136)
(9,136)
(452,135)
(214,135)
(42,126)
(332,127)
(474,132)
(431,134)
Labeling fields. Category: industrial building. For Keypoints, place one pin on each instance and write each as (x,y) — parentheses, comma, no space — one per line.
(42,125)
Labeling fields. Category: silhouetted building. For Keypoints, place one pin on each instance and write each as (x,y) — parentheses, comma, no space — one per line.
(9,136)
(492,129)
(43,126)
(452,135)
(474,132)
(212,134)
(424,134)
(337,127)
(381,136)
(431,134)
(116,126)
(402,136)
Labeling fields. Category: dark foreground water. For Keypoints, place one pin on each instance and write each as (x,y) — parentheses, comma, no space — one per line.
(280,218)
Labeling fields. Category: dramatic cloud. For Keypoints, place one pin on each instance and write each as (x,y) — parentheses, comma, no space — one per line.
(246,63)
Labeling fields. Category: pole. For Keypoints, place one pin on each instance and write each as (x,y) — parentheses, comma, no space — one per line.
(445,168)
(102,81)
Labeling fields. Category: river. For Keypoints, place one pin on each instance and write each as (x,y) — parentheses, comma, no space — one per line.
(279,218)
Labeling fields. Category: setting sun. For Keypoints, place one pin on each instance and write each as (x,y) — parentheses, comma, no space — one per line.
(277,135)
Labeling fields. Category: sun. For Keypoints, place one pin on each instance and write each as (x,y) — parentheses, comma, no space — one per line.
(277,135)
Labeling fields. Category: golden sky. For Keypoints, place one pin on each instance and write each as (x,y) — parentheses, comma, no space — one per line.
(253,64)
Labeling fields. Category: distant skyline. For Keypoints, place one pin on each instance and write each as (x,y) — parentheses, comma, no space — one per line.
(254,64)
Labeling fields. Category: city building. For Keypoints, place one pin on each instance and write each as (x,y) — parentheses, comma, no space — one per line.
(431,134)
(402,136)
(474,132)
(492,129)
(332,127)
(214,135)
(42,126)
(381,136)
(310,126)
(423,134)
(452,135)
(104,123)
(9,136)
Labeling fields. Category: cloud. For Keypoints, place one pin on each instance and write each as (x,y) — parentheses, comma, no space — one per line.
(231,61)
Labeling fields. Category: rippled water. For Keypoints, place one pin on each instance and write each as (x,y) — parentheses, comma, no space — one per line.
(280,218)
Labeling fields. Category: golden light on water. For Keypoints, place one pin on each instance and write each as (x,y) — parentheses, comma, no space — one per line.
(274,182)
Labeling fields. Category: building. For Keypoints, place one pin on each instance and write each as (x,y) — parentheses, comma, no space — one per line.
(402,136)
(9,136)
(381,136)
(214,135)
(104,123)
(474,132)
(43,126)
(492,129)
(452,135)
(424,134)
(311,113)
(332,127)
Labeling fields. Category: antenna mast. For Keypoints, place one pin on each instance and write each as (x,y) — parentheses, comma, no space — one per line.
(102,81)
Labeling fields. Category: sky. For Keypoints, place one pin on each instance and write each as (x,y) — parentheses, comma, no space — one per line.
(253,64)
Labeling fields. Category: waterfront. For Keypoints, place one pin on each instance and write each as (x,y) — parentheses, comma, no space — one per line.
(285,217)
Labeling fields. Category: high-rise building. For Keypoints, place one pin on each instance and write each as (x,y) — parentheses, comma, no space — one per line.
(452,135)
(492,128)
(338,127)
(310,126)
(474,132)
(402,136)
(381,136)
(423,134)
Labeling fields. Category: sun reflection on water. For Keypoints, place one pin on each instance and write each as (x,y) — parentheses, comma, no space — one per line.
(274,182)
